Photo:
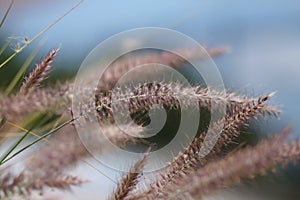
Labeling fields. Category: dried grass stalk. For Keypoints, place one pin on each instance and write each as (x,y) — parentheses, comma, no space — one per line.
(130,180)
(172,95)
(191,158)
(40,73)
(24,184)
(117,69)
(56,100)
(243,164)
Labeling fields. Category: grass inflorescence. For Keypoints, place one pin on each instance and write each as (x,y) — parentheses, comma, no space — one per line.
(42,117)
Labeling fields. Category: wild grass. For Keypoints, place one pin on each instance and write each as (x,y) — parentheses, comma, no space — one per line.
(43,114)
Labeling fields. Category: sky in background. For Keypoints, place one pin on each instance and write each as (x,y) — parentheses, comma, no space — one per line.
(264,36)
(92,22)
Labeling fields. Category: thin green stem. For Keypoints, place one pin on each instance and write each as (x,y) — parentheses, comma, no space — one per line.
(39,139)
(39,34)
(43,117)
(6,13)
(13,147)
(21,72)
(5,45)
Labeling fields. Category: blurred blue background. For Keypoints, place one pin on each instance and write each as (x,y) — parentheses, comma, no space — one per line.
(264,37)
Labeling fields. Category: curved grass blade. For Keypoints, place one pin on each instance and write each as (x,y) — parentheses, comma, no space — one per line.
(39,35)
(21,72)
(5,45)
(28,131)
(39,139)
(2,121)
(14,147)
(6,13)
